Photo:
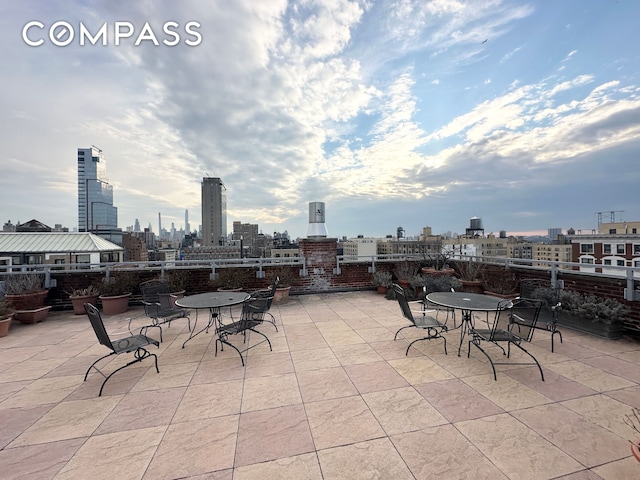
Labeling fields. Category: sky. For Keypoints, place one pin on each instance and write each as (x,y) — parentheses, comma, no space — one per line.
(402,113)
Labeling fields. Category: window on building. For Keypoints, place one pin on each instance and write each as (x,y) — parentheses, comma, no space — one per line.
(620,250)
(612,231)
(621,263)
(586,248)
(636,248)
(606,248)
(607,261)
(586,260)
(634,230)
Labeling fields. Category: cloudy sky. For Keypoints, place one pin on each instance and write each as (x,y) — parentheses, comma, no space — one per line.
(394,113)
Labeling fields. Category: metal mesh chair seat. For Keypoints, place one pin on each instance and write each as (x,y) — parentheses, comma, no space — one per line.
(421,319)
(514,323)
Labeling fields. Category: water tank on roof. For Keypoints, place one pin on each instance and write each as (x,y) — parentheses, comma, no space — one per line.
(475,223)
(317,227)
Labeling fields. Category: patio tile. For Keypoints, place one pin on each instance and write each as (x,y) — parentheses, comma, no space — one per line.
(588,443)
(391,350)
(15,420)
(143,410)
(506,392)
(304,360)
(418,370)
(28,370)
(341,421)
(35,462)
(506,442)
(271,434)
(129,454)
(372,377)
(615,366)
(630,396)
(627,469)
(602,410)
(8,389)
(75,419)
(402,410)
(218,370)
(590,376)
(457,401)
(290,468)
(270,392)
(443,452)
(365,460)
(268,364)
(209,400)
(178,375)
(582,475)
(325,384)
(195,448)
(43,391)
(555,386)
(356,353)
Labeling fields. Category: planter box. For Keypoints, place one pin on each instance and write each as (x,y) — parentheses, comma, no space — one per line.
(27,301)
(5,323)
(600,329)
(32,316)
(281,295)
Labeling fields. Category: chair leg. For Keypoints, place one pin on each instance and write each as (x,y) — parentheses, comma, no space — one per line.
(94,363)
(552,334)
(485,354)
(429,337)
(138,358)
(400,329)
(534,359)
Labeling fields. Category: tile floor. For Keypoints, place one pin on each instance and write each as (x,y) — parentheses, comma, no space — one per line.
(336,399)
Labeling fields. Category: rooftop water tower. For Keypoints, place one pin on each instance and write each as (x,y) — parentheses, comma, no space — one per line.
(317,227)
(475,229)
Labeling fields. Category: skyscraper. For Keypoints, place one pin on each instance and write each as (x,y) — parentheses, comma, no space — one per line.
(214,212)
(96,212)
(187,227)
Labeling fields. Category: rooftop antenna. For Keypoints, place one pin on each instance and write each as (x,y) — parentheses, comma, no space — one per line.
(612,214)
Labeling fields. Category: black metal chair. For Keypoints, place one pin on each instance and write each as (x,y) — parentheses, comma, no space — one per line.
(252,315)
(514,323)
(440,310)
(158,305)
(268,294)
(132,344)
(421,320)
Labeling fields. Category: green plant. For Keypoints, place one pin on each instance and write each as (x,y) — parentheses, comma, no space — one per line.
(6,309)
(231,278)
(435,283)
(23,283)
(89,291)
(405,270)
(176,280)
(118,283)
(500,280)
(589,307)
(381,278)
(470,270)
(285,274)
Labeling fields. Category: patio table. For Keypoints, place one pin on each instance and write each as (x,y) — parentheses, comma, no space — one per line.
(212,301)
(467,303)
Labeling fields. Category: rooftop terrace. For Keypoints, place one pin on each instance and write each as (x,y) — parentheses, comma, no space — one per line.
(335,399)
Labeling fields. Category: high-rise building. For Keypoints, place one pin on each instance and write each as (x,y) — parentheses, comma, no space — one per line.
(187,227)
(214,212)
(96,212)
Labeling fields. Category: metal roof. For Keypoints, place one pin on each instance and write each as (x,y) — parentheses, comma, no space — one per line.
(54,242)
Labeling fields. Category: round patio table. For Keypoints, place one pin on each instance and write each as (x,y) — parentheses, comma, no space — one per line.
(213,301)
(467,303)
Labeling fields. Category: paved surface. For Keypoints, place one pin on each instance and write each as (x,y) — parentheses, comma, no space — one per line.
(336,399)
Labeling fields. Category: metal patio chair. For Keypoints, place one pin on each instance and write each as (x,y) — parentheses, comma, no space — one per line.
(419,319)
(514,323)
(131,344)
(159,307)
(267,294)
(253,313)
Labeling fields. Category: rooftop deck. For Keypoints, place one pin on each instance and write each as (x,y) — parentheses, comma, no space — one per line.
(336,399)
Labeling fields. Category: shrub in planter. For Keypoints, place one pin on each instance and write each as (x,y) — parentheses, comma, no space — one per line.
(80,296)
(26,293)
(6,315)
(115,292)
(231,279)
(381,280)
(287,278)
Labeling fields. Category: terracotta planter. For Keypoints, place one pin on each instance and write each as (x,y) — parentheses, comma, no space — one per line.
(472,286)
(113,305)
(78,303)
(404,284)
(381,289)
(437,273)
(32,316)
(223,289)
(636,450)
(27,301)
(506,296)
(5,323)
(281,295)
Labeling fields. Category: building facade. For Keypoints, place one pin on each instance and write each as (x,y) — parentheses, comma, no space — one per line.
(214,212)
(96,213)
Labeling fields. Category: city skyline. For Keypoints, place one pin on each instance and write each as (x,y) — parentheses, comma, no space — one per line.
(525,114)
